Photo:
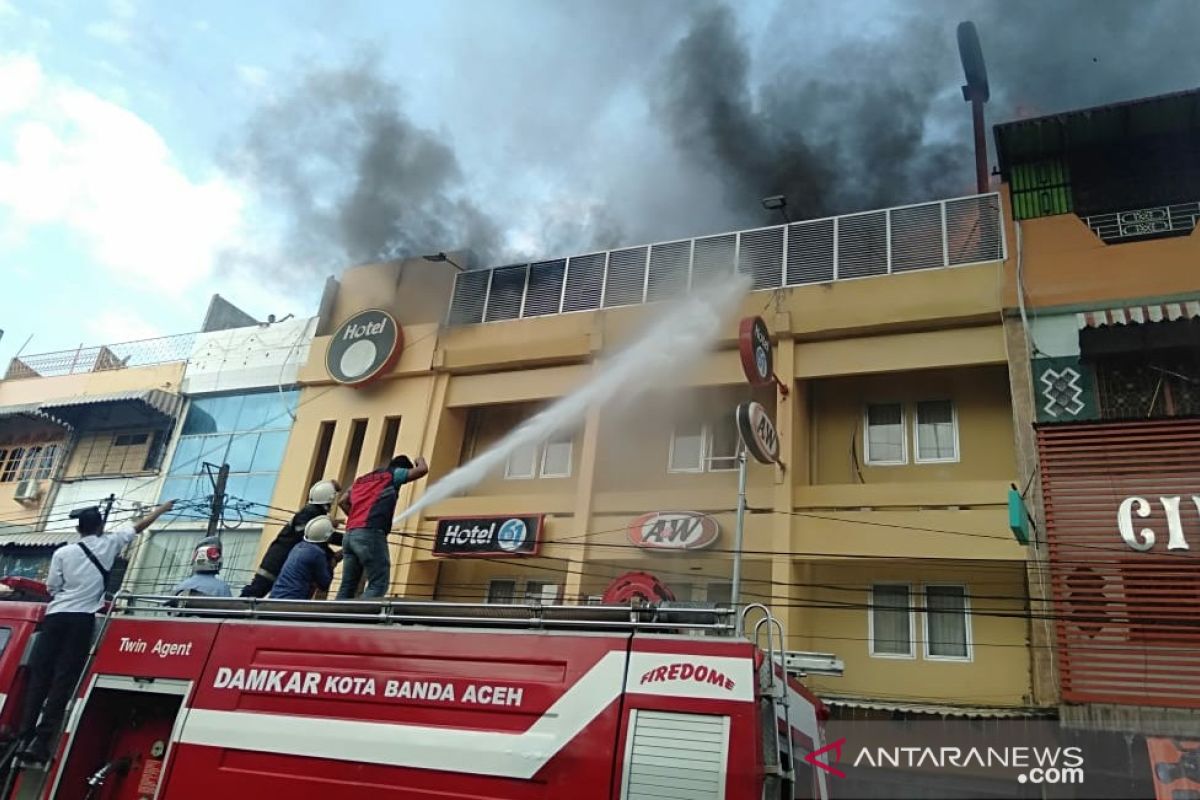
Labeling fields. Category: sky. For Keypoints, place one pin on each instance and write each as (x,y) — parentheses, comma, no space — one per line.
(155,153)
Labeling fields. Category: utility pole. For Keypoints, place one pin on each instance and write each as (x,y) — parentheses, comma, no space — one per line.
(735,588)
(108,504)
(218,501)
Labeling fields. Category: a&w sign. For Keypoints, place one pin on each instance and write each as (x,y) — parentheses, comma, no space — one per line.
(674,530)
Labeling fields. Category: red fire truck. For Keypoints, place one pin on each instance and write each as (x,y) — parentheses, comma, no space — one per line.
(402,699)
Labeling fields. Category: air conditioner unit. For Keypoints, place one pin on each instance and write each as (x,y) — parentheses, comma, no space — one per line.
(28,491)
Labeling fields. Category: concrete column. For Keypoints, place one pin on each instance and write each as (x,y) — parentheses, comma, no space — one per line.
(1043,667)
(791,414)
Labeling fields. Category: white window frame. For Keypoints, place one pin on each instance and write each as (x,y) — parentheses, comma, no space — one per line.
(911,655)
(866,417)
(545,448)
(521,590)
(539,462)
(970,656)
(916,424)
(706,456)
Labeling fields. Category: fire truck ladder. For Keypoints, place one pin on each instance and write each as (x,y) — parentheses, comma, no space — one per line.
(774,689)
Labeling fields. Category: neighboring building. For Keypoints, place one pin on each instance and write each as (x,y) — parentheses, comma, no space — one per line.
(886,539)
(77,427)
(241,386)
(1103,320)
(81,426)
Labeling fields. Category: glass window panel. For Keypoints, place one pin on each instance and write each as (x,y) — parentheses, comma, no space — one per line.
(269,455)
(687,448)
(235,486)
(213,415)
(723,439)
(946,634)
(266,410)
(935,431)
(501,591)
(885,434)
(521,462)
(186,460)
(164,559)
(258,489)
(556,458)
(241,451)
(179,488)
(891,623)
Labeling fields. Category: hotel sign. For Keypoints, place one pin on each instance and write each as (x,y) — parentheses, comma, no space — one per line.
(364,347)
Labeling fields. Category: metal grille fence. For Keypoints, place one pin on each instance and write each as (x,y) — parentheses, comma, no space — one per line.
(945,233)
(99,358)
(1178,220)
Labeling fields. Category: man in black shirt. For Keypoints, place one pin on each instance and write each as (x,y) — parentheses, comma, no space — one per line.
(320,500)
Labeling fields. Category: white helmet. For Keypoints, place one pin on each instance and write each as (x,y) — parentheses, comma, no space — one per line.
(322,493)
(207,556)
(318,530)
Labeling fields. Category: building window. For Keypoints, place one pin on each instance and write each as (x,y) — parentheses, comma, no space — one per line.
(703,446)
(117,453)
(936,431)
(947,623)
(248,432)
(503,591)
(548,459)
(891,621)
(885,442)
(34,462)
(165,558)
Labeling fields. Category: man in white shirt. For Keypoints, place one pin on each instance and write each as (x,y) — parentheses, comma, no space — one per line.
(77,582)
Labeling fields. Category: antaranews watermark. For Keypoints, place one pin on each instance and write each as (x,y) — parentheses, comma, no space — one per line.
(1036,765)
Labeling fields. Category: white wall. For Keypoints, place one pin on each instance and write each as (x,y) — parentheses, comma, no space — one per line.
(248,358)
(93,491)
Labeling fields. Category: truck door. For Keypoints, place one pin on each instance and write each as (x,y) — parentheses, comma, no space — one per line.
(119,748)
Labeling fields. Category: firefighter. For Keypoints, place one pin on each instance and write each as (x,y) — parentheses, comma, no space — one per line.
(309,566)
(77,583)
(206,563)
(321,498)
(372,506)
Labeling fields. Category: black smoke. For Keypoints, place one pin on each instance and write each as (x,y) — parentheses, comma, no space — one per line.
(353,178)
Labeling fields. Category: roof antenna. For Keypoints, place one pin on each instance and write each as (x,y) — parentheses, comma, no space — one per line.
(976,93)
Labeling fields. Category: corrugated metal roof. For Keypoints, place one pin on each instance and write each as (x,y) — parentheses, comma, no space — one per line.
(165,403)
(33,411)
(979,712)
(23,536)
(1027,140)
(1136,315)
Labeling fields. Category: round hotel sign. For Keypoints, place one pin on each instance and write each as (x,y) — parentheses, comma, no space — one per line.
(364,347)
(754,347)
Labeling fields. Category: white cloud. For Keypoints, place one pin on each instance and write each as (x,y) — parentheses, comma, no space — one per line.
(87,166)
(252,76)
(7,9)
(122,9)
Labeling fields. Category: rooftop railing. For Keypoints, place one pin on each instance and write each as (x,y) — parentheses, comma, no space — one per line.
(936,235)
(1143,223)
(100,358)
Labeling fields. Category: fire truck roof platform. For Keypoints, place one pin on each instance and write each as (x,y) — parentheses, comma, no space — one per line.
(662,618)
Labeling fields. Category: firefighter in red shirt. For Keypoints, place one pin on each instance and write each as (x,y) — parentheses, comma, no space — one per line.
(372,506)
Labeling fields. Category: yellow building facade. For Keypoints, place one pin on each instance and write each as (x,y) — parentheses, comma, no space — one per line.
(883,538)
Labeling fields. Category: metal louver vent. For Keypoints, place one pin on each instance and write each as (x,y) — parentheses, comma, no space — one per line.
(941,234)
(917,237)
(470,290)
(669,264)
(504,297)
(713,259)
(544,295)
(585,277)
(973,230)
(676,756)
(862,245)
(761,257)
(810,252)
(626,281)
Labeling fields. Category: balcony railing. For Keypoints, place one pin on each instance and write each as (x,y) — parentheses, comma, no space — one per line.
(1144,223)
(100,358)
(945,233)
